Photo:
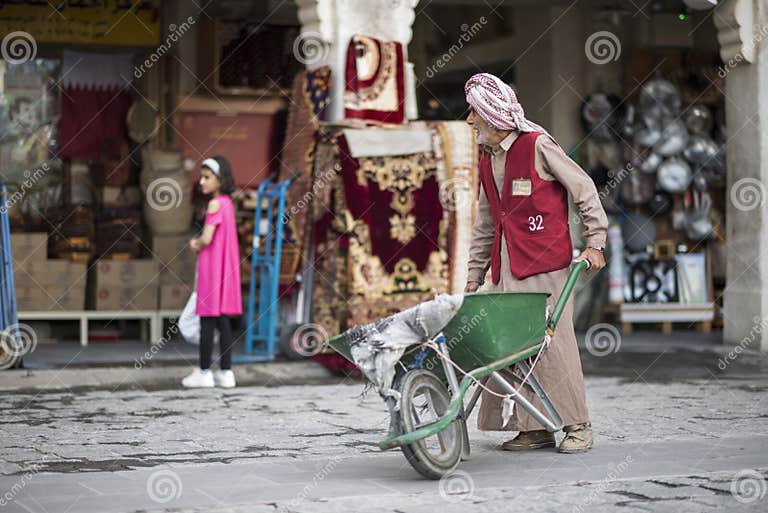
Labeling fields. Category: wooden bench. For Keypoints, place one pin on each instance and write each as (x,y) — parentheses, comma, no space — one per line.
(155,318)
(667,313)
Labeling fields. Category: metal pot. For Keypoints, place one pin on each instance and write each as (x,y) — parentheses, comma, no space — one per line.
(598,115)
(699,120)
(659,99)
(647,133)
(648,164)
(700,182)
(674,175)
(701,151)
(719,163)
(674,139)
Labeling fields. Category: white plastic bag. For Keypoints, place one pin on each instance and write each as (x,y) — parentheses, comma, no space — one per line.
(189,322)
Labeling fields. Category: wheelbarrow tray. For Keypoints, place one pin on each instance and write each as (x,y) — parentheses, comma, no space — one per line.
(488,327)
(492,325)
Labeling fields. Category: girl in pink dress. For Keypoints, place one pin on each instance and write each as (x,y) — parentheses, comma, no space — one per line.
(218,276)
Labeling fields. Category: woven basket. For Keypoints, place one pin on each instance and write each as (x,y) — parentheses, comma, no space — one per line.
(76,222)
(71,244)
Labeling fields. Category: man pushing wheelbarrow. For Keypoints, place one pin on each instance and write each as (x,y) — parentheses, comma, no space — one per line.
(506,341)
(521,232)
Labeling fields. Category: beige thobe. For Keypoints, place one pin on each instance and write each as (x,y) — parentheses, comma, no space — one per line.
(559,367)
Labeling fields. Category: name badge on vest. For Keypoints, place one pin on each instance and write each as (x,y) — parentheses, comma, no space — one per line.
(521,187)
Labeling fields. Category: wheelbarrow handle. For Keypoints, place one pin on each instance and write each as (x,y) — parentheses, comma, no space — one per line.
(566,293)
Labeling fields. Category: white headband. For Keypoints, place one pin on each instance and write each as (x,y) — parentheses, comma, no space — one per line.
(213,165)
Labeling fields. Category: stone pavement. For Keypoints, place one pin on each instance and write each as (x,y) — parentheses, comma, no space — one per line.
(691,445)
(157,377)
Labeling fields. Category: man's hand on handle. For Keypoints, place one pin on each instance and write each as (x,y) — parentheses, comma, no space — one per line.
(472,286)
(595,258)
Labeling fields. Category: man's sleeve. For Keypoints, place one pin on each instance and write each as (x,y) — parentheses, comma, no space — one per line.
(579,185)
(482,241)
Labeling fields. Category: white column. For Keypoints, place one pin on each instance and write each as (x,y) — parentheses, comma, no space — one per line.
(567,84)
(743,36)
(328,26)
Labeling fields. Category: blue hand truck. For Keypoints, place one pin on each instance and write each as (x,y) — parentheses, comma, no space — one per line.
(10,339)
(261,332)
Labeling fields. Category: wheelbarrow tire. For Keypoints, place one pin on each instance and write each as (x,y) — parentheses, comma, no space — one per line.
(285,345)
(429,465)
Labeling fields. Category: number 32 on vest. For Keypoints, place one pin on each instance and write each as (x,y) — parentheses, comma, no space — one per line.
(535,223)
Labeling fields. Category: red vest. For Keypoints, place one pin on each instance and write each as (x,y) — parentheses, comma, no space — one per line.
(531,213)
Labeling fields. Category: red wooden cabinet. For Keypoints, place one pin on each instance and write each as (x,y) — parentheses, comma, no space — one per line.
(247,132)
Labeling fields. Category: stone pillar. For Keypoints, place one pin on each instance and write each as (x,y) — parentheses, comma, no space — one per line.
(743,35)
(567,67)
(328,26)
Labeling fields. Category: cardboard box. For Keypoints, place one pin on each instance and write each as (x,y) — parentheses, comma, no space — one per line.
(177,261)
(52,272)
(66,272)
(51,297)
(29,249)
(132,273)
(124,285)
(174,297)
(126,298)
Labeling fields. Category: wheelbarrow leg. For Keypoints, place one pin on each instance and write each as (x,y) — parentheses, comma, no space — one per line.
(464,413)
(536,386)
(556,424)
(475,396)
(453,381)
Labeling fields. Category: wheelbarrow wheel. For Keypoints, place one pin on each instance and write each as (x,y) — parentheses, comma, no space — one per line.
(425,399)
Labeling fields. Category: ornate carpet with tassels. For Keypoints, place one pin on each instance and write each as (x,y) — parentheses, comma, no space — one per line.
(385,232)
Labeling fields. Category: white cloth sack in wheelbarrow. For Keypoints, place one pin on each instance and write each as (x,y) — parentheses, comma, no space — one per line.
(378,346)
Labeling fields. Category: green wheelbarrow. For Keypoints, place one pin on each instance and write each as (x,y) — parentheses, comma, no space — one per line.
(491,332)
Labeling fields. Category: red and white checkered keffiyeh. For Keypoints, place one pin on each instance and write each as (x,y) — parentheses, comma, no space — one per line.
(497,104)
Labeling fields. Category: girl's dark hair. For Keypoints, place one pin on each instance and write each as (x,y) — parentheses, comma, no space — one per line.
(225,175)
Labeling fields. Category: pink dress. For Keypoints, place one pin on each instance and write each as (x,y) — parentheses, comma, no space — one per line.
(218,266)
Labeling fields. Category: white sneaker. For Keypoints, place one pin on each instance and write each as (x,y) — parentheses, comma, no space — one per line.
(198,378)
(224,379)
